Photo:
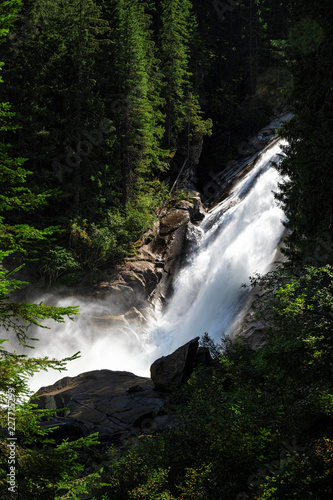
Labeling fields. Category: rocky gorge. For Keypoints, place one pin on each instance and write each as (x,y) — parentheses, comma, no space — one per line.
(119,404)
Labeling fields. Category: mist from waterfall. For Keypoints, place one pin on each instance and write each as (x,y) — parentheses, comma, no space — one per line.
(235,240)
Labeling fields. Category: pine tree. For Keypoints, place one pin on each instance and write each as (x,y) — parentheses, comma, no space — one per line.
(177,25)
(31,464)
(19,241)
(308,186)
(54,48)
(135,103)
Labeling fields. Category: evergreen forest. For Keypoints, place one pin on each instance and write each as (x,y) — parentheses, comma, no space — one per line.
(104,107)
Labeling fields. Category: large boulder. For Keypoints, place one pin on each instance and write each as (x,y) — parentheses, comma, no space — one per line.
(173,221)
(195,208)
(173,370)
(116,404)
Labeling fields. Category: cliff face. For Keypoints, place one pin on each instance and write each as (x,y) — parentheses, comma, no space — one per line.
(145,281)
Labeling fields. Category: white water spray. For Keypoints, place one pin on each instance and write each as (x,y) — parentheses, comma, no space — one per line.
(236,242)
(238,238)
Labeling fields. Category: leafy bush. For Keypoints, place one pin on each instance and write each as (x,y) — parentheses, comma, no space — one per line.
(94,245)
(254,424)
(58,262)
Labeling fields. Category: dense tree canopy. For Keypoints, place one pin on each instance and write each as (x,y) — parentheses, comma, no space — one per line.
(106,99)
(27,462)
(306,194)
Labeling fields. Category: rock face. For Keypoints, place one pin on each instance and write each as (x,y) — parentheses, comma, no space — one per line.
(115,404)
(170,246)
(195,208)
(173,370)
(173,221)
(148,277)
(260,140)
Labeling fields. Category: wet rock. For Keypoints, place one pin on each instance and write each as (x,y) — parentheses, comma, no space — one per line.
(173,221)
(196,149)
(194,208)
(185,205)
(198,213)
(119,295)
(171,247)
(115,404)
(134,315)
(146,272)
(65,428)
(106,321)
(255,335)
(173,370)
(147,278)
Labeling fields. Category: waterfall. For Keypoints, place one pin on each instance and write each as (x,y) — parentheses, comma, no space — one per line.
(235,240)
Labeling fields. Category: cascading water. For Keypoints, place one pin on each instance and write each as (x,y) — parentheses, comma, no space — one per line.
(235,240)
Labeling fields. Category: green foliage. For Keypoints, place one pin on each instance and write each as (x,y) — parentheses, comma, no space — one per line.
(177,25)
(35,462)
(97,144)
(254,424)
(38,463)
(57,262)
(197,126)
(18,239)
(99,141)
(306,36)
(29,314)
(127,474)
(306,474)
(15,196)
(309,155)
(92,246)
(301,310)
(41,465)
(8,12)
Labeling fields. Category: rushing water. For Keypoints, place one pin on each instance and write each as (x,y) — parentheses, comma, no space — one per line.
(238,238)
